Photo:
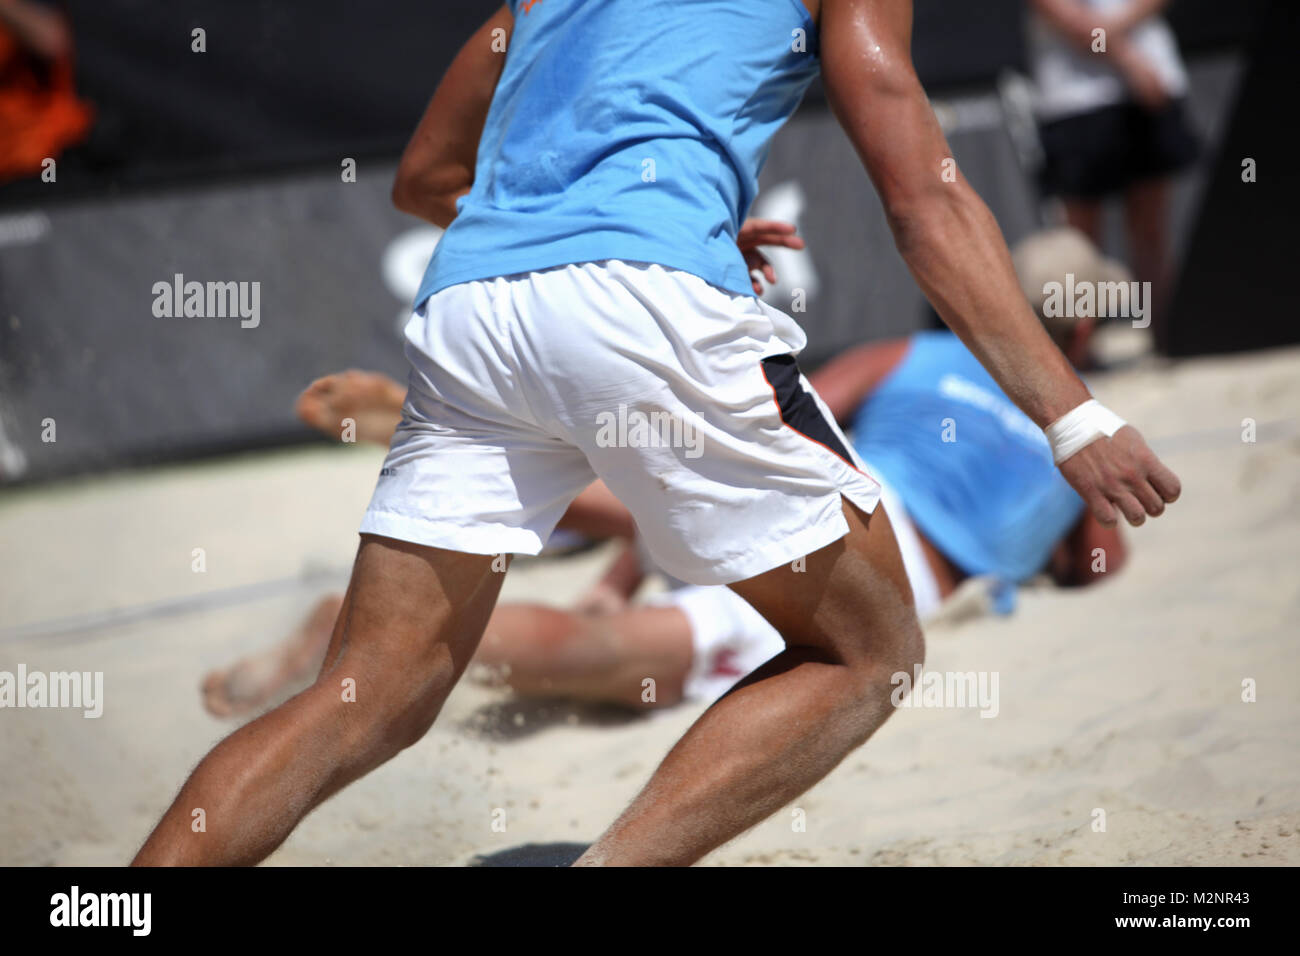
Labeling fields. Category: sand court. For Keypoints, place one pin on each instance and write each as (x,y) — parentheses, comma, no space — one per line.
(1149,720)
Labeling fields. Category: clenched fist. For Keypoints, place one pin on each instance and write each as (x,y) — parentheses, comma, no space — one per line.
(1121,474)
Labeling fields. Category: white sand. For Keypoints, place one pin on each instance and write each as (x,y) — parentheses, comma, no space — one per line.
(1124,698)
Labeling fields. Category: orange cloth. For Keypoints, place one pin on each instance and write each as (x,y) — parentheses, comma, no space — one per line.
(40,114)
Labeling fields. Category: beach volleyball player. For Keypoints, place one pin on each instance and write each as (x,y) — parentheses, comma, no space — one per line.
(592,161)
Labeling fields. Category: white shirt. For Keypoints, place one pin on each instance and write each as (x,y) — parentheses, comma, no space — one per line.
(1072,81)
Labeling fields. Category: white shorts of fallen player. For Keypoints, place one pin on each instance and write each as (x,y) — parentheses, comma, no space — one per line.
(729,638)
(685,399)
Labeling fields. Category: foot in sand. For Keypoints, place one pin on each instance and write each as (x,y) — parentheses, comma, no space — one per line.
(372,401)
(253,681)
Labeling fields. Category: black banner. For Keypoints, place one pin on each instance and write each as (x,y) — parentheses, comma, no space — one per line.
(981,907)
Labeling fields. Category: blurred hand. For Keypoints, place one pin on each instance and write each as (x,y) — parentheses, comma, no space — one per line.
(1142,79)
(764,232)
(600,600)
(1129,16)
(1121,475)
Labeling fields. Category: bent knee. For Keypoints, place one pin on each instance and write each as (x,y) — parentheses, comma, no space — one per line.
(393,706)
(902,653)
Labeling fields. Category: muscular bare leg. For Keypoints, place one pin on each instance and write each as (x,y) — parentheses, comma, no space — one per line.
(849,624)
(409,625)
(542,651)
(374,403)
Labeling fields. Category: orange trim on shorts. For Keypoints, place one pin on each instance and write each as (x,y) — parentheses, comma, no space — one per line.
(781,415)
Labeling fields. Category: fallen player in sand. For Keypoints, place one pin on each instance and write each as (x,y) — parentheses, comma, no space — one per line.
(695,642)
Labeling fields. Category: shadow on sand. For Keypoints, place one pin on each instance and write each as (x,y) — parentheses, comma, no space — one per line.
(518,717)
(533,854)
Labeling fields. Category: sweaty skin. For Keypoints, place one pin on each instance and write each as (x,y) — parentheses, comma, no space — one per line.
(413,615)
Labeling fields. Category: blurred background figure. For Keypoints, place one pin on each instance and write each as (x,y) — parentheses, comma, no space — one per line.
(40,112)
(1049,256)
(1111,89)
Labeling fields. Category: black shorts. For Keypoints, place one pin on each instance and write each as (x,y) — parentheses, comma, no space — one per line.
(1096,154)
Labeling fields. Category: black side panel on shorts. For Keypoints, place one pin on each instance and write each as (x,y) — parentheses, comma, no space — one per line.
(799,409)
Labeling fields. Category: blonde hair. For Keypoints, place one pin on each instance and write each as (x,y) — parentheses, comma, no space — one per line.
(1047,257)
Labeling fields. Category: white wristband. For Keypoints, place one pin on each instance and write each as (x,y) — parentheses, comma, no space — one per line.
(1081,427)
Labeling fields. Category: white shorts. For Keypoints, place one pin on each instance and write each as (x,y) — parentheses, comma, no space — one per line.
(684,398)
(729,638)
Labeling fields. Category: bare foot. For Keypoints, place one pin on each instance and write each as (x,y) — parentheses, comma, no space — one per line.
(601,599)
(253,681)
(371,400)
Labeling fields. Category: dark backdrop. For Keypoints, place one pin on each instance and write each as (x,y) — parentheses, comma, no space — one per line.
(224,166)
(287,84)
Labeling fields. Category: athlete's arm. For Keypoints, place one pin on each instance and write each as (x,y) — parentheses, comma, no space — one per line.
(847,379)
(954,249)
(598,513)
(621,580)
(437,167)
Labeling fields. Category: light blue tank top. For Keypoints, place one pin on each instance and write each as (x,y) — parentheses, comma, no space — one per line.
(990,498)
(628,129)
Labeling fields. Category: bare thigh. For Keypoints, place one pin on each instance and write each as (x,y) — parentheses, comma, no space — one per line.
(409,624)
(848,621)
(545,651)
(850,603)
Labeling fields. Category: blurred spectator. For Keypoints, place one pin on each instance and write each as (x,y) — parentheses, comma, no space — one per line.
(1112,120)
(1049,256)
(40,113)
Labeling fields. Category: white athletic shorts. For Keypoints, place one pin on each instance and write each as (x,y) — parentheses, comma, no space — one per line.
(729,638)
(684,398)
